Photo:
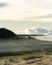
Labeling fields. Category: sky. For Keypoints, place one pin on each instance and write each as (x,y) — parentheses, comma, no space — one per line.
(17,15)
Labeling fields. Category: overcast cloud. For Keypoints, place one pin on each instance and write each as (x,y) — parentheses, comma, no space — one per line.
(23,10)
(3,4)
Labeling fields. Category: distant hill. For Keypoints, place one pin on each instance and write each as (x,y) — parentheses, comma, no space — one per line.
(6,34)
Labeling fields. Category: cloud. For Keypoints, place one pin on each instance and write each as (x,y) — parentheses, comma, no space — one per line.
(37,30)
(3,4)
(25,10)
(41,18)
(45,16)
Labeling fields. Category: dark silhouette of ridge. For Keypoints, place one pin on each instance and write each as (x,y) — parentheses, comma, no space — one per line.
(6,34)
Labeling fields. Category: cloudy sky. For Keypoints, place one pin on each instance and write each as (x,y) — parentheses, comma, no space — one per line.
(18,15)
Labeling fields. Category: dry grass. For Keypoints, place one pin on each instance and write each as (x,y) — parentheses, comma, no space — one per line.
(27,59)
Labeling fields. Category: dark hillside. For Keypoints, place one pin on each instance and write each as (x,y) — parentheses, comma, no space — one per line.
(5,33)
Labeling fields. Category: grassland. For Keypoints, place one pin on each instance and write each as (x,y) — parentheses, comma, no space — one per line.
(38,52)
(28,58)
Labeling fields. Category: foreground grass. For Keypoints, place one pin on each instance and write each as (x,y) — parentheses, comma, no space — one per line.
(30,58)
